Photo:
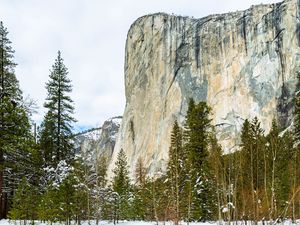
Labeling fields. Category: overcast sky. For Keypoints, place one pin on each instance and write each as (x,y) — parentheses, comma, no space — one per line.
(91,35)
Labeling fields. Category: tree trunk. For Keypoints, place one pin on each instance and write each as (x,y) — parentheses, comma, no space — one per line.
(154,201)
(265,179)
(274,155)
(189,202)
(177,197)
(252,186)
(294,187)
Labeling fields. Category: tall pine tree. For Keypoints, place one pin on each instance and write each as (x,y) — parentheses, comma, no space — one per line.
(175,173)
(198,127)
(121,185)
(15,132)
(56,128)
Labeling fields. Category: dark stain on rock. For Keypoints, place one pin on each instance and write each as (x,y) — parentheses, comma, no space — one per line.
(199,26)
(277,14)
(298,22)
(131,127)
(298,33)
(181,60)
(242,24)
(284,106)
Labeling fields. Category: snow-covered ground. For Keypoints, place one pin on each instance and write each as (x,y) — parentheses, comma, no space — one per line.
(14,222)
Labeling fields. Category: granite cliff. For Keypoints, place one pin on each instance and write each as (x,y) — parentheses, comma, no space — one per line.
(242,63)
(97,142)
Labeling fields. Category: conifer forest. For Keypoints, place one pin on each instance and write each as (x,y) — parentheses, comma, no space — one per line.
(43,177)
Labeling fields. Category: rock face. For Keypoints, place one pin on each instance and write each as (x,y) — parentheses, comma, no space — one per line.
(243,64)
(98,142)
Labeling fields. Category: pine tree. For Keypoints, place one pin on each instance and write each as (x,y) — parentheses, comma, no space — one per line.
(281,166)
(101,171)
(15,135)
(296,112)
(121,174)
(48,209)
(216,164)
(56,128)
(99,192)
(296,152)
(67,200)
(81,190)
(89,179)
(197,132)
(273,147)
(121,185)
(25,202)
(140,191)
(175,172)
(254,166)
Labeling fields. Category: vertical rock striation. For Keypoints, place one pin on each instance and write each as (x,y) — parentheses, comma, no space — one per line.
(242,63)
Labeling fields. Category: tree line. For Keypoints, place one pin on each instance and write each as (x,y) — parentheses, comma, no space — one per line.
(41,177)
(257,182)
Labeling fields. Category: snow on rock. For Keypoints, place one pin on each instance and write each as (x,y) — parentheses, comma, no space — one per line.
(97,142)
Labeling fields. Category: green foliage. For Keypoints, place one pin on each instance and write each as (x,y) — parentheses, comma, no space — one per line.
(296,112)
(140,191)
(58,203)
(48,209)
(25,201)
(259,181)
(16,141)
(121,185)
(121,174)
(56,128)
(176,173)
(279,148)
(197,134)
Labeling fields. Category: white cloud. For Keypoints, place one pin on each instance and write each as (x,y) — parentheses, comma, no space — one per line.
(91,35)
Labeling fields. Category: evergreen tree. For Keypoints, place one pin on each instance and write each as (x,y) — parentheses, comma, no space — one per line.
(197,133)
(100,191)
(247,165)
(59,201)
(48,209)
(121,185)
(56,133)
(296,112)
(274,146)
(15,132)
(55,140)
(101,171)
(25,202)
(216,164)
(156,199)
(254,167)
(140,191)
(67,200)
(296,153)
(281,167)
(175,172)
(121,174)
(89,180)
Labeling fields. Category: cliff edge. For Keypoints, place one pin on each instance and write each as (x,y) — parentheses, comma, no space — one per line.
(243,64)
